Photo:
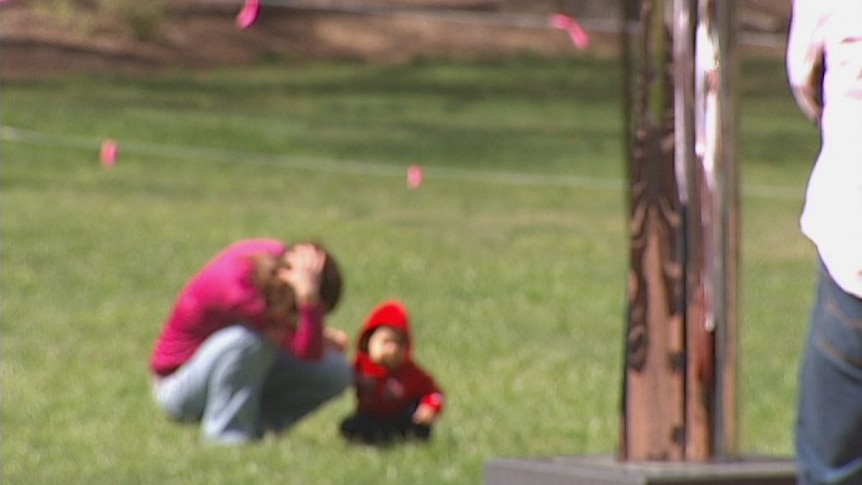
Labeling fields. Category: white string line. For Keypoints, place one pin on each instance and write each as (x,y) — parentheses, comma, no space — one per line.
(345,166)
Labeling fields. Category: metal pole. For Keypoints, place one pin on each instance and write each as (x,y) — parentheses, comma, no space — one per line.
(682,329)
(653,389)
(712,236)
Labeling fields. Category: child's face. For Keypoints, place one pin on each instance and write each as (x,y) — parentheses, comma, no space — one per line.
(386,347)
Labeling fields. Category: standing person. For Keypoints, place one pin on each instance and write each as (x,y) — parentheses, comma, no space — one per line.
(245,348)
(824,64)
(396,398)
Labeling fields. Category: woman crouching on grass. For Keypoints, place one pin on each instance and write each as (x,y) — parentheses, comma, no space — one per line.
(245,348)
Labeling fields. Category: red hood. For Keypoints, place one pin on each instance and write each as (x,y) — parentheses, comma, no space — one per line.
(391,313)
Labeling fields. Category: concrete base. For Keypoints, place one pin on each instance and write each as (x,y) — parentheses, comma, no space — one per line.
(607,470)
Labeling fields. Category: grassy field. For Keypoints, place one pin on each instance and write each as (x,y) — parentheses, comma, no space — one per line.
(511,255)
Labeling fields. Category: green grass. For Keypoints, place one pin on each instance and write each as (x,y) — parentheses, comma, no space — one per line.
(511,256)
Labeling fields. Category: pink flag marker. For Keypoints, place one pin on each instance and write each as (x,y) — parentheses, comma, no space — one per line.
(579,36)
(108,153)
(248,15)
(414,176)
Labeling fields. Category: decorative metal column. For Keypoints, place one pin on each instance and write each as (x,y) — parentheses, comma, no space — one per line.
(679,399)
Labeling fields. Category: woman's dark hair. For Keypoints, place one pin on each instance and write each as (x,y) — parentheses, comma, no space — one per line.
(331,281)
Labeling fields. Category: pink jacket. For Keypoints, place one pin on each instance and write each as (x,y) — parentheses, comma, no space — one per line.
(221,294)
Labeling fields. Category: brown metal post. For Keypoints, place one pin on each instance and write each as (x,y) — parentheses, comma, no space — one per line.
(653,397)
(680,371)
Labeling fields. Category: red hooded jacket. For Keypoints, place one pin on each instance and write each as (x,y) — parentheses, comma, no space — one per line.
(385,392)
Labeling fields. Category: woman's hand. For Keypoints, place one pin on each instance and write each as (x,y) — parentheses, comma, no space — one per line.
(303,272)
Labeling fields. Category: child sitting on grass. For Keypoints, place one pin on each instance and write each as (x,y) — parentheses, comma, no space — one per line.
(396,399)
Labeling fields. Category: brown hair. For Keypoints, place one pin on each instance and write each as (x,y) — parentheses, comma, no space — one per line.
(331,281)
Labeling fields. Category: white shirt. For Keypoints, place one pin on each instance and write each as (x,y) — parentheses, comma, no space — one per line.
(832,214)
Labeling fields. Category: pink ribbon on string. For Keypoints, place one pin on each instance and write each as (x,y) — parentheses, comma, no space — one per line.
(248,15)
(579,36)
(108,153)
(414,176)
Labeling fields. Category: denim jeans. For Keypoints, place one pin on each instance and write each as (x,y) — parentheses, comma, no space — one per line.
(829,420)
(238,383)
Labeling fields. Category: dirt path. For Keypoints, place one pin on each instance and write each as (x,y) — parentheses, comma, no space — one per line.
(202,35)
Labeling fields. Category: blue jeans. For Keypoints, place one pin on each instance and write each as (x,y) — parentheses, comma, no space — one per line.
(238,384)
(829,421)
